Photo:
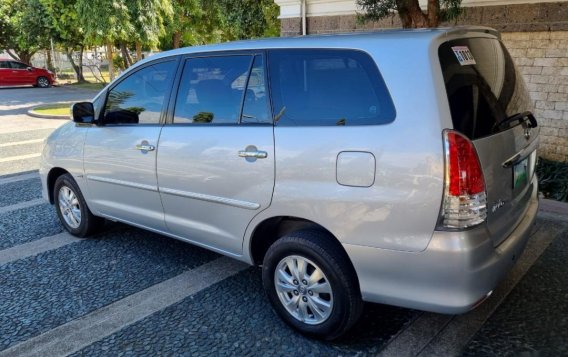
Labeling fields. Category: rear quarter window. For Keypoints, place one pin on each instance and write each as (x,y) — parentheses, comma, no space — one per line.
(327,87)
(482,84)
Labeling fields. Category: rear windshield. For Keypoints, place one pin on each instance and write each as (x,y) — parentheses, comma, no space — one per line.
(482,84)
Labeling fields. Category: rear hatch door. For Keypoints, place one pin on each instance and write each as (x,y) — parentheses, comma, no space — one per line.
(491,106)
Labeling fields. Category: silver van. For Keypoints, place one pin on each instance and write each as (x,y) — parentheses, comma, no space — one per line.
(395,167)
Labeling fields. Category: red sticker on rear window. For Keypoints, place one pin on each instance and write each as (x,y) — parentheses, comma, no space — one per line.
(464,56)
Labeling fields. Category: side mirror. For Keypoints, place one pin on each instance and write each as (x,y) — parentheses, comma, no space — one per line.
(83,113)
(29,69)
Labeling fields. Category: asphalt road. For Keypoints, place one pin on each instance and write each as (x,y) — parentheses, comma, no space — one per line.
(131,292)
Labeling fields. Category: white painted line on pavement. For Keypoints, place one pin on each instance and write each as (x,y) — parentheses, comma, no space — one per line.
(21,205)
(446,335)
(17,178)
(82,332)
(36,247)
(34,141)
(21,157)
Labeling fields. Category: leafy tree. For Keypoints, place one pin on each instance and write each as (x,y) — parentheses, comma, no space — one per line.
(250,18)
(23,28)
(410,13)
(62,15)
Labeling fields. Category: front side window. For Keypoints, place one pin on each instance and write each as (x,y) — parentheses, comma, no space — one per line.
(4,64)
(212,90)
(139,98)
(328,87)
(18,65)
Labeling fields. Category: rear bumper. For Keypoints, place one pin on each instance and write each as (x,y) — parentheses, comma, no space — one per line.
(455,272)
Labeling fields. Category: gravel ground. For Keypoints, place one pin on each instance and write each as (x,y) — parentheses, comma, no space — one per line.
(21,191)
(45,291)
(533,320)
(234,318)
(28,224)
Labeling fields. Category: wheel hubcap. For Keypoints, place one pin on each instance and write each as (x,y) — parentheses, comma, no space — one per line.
(69,207)
(303,289)
(43,82)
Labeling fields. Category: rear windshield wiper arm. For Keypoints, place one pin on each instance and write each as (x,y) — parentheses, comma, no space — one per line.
(514,120)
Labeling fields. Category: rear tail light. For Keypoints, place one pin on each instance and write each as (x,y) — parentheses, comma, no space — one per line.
(464,203)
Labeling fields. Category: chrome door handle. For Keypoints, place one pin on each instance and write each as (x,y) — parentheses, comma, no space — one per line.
(145,147)
(253,154)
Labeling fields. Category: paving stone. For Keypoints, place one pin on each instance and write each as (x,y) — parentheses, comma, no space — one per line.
(50,289)
(235,318)
(533,319)
(28,224)
(21,191)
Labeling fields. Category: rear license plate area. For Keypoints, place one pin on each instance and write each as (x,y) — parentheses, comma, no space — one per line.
(520,174)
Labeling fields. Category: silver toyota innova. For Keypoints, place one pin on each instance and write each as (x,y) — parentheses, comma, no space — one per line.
(395,167)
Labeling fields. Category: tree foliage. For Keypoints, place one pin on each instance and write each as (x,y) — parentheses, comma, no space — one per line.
(23,28)
(411,15)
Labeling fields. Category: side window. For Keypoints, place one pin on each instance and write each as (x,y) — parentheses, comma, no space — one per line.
(139,98)
(212,89)
(18,65)
(328,87)
(255,107)
(4,64)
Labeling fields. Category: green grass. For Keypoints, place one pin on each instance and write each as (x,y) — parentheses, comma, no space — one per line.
(88,85)
(53,109)
(553,179)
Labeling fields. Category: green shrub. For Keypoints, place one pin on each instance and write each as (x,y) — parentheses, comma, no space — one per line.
(553,179)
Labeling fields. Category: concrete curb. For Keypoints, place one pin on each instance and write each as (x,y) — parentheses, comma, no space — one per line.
(47,116)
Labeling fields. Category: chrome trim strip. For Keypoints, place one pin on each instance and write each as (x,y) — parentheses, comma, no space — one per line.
(123,183)
(214,199)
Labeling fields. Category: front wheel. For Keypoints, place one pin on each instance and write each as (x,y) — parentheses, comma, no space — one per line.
(72,209)
(312,285)
(43,82)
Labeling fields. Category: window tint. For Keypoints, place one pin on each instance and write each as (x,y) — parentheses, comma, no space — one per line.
(255,107)
(140,97)
(212,89)
(328,87)
(4,64)
(18,65)
(484,88)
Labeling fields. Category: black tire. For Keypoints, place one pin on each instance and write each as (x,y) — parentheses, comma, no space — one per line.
(43,82)
(87,224)
(320,248)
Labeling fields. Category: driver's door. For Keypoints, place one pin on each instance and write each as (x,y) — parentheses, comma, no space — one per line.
(120,153)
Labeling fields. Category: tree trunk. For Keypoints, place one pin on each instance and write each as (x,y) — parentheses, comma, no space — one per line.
(125,55)
(25,56)
(13,55)
(77,68)
(49,63)
(177,39)
(433,13)
(415,13)
(405,18)
(138,51)
(109,58)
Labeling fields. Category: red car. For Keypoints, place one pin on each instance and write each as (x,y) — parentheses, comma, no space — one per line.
(14,73)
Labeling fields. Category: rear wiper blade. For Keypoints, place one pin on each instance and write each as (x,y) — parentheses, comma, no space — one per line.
(515,120)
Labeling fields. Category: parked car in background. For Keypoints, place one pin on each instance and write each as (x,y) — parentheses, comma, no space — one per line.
(393,167)
(14,73)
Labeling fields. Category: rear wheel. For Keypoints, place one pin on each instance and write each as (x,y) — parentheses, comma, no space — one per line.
(312,285)
(72,209)
(43,82)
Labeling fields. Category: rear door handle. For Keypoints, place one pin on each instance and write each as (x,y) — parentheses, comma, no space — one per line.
(254,154)
(145,147)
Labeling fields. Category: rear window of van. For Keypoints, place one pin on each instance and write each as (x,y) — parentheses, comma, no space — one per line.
(327,87)
(482,84)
